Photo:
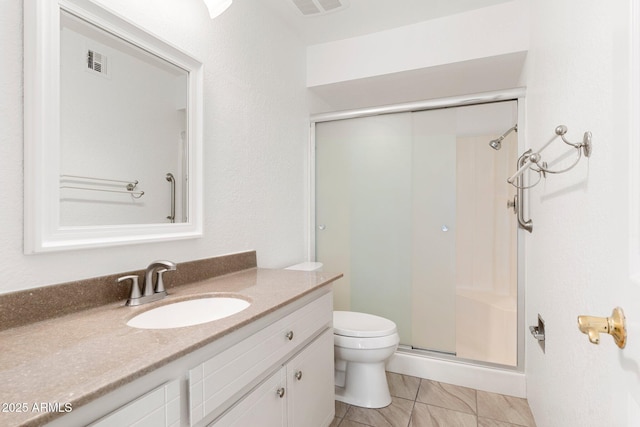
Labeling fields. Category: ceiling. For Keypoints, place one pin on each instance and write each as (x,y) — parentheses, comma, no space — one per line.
(368,16)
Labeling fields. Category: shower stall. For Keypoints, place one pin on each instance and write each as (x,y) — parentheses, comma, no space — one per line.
(414,208)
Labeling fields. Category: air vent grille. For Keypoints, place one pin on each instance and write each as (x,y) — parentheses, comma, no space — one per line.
(328,5)
(96,62)
(318,7)
(306,7)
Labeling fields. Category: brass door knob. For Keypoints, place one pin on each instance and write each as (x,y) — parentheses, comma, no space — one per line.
(614,326)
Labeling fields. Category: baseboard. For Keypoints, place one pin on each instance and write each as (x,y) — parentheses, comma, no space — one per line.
(493,380)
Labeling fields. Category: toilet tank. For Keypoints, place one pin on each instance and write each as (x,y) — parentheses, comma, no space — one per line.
(306,266)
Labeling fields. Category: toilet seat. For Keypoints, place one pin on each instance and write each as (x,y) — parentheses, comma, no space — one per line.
(362,325)
(375,343)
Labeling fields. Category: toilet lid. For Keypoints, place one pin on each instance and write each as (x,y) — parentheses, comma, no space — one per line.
(354,324)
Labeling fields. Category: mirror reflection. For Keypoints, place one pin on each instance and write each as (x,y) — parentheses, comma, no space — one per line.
(123,131)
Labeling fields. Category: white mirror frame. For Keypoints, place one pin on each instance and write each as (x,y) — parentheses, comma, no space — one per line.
(42,232)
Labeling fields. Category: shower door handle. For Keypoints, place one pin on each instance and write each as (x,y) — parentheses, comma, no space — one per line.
(513,204)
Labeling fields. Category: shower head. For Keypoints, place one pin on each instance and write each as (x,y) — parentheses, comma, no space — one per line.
(496,144)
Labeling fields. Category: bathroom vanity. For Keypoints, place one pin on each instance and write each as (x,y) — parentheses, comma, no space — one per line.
(67,355)
(269,365)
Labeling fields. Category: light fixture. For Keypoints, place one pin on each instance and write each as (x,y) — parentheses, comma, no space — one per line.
(216,7)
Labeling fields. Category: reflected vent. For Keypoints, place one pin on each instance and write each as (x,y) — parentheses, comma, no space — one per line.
(318,7)
(97,62)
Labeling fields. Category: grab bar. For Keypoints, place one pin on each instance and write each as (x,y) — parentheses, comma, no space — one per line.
(524,224)
(169,177)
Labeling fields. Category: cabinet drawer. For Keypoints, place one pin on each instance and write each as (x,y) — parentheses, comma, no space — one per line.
(215,381)
(159,407)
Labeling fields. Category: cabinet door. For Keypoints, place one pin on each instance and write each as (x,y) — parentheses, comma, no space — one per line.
(310,384)
(265,406)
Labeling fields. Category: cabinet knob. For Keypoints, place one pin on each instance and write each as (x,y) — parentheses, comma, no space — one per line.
(289,335)
(280,392)
(298,375)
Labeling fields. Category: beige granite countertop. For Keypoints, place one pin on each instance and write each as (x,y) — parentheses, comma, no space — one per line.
(81,356)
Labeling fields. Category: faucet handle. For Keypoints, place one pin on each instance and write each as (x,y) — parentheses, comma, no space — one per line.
(135,288)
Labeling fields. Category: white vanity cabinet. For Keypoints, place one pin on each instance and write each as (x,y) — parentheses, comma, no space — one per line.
(234,380)
(298,394)
(310,384)
(157,408)
(292,357)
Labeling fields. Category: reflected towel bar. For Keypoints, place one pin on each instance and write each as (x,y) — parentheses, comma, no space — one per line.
(129,187)
(131,184)
(136,194)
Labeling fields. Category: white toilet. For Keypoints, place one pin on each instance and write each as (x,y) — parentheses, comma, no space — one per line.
(362,345)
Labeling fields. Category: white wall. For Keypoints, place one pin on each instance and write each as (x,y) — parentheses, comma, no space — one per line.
(255,133)
(578,71)
(481,50)
(487,32)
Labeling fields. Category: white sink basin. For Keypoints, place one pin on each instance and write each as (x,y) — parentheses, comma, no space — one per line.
(188,313)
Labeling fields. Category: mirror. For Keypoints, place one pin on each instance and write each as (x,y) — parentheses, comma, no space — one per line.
(122,131)
(112,131)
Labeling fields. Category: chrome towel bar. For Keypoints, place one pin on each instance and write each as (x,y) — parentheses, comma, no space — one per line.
(136,194)
(129,187)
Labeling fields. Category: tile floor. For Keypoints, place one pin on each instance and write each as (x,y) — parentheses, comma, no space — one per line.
(424,403)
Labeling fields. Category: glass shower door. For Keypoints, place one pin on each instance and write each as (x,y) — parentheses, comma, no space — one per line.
(363,196)
(411,207)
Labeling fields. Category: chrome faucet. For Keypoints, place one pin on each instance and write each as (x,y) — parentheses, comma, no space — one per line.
(150,292)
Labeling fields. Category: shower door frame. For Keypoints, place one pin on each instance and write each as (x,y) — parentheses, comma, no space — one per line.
(515,94)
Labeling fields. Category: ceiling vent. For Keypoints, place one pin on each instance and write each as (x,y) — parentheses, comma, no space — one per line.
(319,7)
